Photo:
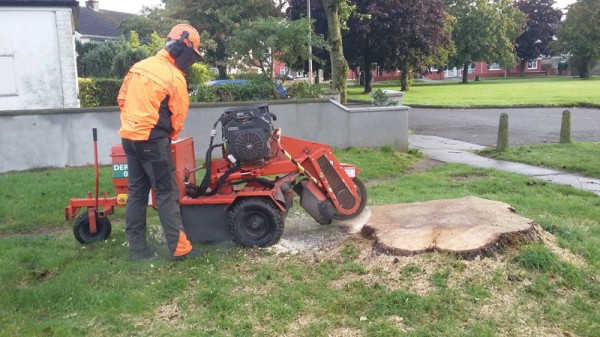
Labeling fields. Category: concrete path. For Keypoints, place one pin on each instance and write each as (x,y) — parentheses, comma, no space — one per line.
(454,151)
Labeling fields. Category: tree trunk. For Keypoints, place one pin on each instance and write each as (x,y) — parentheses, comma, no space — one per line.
(368,76)
(465,74)
(222,72)
(523,64)
(404,74)
(339,65)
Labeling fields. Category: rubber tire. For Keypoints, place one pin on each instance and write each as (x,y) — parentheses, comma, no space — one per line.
(362,192)
(261,212)
(81,229)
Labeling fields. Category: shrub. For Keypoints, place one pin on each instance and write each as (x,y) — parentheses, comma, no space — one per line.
(94,92)
(254,90)
(125,59)
(380,98)
(302,89)
(197,74)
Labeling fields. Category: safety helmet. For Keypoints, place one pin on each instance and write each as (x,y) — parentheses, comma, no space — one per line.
(192,40)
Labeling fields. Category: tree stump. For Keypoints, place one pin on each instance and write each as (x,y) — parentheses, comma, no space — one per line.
(469,226)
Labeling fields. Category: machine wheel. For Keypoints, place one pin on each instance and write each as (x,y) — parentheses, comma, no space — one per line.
(81,229)
(362,192)
(255,222)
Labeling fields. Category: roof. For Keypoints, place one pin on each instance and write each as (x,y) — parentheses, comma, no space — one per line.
(101,23)
(40,3)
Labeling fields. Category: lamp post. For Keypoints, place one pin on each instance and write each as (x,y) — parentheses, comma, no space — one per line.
(310,71)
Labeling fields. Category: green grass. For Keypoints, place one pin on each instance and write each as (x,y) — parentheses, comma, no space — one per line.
(538,92)
(574,157)
(53,286)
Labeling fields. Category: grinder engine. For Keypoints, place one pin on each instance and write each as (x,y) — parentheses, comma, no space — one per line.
(247,134)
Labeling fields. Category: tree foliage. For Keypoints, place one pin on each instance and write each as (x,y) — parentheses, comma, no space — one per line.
(484,31)
(259,43)
(149,22)
(579,36)
(297,9)
(218,20)
(413,34)
(542,23)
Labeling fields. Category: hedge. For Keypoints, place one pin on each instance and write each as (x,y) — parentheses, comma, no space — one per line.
(95,92)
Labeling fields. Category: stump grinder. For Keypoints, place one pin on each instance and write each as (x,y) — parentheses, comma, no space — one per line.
(243,196)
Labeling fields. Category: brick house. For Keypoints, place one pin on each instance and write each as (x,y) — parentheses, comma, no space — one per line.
(37,54)
(481,69)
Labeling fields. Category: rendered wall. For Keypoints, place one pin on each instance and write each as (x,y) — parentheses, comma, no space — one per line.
(37,59)
(42,138)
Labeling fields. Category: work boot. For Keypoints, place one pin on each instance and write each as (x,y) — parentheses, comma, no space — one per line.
(194,253)
(141,254)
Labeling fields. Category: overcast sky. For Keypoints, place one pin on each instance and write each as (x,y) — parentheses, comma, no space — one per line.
(134,6)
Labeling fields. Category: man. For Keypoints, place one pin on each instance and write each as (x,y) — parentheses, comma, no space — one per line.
(154,103)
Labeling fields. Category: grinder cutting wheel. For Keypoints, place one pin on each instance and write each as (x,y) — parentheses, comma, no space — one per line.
(245,195)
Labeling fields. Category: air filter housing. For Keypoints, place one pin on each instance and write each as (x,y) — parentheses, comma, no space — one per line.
(246,133)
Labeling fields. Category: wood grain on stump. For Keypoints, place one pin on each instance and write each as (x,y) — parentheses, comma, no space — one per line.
(469,226)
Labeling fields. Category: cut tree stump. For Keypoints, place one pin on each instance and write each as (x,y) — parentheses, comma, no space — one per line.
(469,226)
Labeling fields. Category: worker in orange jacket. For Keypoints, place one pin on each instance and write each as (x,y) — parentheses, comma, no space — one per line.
(154,102)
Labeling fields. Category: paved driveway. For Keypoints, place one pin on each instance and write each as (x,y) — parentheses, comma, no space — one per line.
(526,125)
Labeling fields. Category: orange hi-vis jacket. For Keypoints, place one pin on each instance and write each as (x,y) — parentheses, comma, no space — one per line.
(153,99)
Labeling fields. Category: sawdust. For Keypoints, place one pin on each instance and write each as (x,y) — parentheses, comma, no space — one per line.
(169,313)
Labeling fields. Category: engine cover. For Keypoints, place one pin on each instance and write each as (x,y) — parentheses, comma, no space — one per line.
(246,133)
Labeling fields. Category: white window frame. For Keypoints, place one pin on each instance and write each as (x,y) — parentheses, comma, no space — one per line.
(494,67)
(532,64)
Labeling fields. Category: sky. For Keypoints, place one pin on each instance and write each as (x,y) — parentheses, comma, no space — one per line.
(135,6)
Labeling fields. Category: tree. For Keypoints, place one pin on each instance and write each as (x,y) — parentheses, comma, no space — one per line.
(150,20)
(542,23)
(98,61)
(218,20)
(260,42)
(484,31)
(579,36)
(336,11)
(412,35)
(298,9)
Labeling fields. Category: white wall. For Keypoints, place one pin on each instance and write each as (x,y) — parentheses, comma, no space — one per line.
(30,139)
(37,59)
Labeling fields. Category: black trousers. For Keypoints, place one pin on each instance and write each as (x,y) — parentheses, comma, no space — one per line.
(150,164)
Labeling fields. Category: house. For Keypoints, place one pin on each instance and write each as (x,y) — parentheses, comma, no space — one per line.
(37,54)
(481,69)
(97,25)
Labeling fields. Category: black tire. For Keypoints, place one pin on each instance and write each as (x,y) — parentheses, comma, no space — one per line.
(255,222)
(81,229)
(362,192)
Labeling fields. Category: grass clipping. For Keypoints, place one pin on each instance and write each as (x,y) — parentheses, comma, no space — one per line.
(468,226)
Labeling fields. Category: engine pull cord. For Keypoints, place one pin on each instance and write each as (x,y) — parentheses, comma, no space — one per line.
(301,169)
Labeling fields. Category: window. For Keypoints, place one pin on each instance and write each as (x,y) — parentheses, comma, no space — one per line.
(494,66)
(8,84)
(282,71)
(532,64)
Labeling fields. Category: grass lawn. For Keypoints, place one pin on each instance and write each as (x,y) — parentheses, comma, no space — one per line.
(53,286)
(574,157)
(539,91)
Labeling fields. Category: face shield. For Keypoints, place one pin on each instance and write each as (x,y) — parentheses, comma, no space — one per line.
(187,57)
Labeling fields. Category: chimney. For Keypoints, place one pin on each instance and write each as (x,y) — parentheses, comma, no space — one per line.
(92,4)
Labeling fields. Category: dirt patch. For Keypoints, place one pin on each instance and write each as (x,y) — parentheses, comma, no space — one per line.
(169,313)
(424,164)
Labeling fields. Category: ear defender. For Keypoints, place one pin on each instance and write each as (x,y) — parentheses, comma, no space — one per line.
(175,48)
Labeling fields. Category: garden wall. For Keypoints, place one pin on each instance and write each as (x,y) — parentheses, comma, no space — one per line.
(63,137)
